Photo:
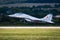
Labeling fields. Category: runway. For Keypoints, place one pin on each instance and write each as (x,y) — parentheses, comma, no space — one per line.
(29,26)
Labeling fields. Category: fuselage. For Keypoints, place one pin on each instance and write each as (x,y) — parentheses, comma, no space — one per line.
(30,18)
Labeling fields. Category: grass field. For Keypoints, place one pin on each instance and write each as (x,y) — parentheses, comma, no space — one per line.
(29,33)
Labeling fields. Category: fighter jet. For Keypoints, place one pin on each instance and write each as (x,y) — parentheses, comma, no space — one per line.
(29,18)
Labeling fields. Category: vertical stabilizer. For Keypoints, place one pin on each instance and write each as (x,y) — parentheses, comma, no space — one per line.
(48,17)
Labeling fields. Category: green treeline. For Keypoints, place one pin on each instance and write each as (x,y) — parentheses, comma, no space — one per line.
(28,1)
(39,12)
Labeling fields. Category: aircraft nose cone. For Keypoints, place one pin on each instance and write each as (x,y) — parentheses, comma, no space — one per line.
(10,15)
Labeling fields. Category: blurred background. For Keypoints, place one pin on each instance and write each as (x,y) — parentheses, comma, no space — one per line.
(36,8)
